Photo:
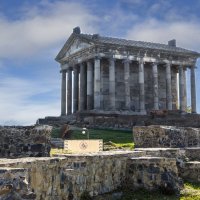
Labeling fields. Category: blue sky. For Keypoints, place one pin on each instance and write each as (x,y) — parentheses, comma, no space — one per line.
(33,31)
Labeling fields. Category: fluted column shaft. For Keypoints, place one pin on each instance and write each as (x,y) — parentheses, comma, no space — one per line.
(90,85)
(63,93)
(69,91)
(155,86)
(83,92)
(181,88)
(185,90)
(141,85)
(168,86)
(75,89)
(97,80)
(193,90)
(112,83)
(127,83)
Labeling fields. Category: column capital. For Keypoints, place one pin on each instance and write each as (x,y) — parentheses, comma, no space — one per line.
(97,57)
(167,64)
(89,62)
(126,60)
(63,71)
(140,60)
(111,58)
(154,63)
(75,67)
(69,69)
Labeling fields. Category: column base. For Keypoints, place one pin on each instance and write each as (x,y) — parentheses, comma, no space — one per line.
(143,112)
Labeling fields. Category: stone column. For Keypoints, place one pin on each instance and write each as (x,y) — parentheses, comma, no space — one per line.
(185,90)
(69,91)
(193,90)
(97,70)
(181,89)
(141,86)
(127,83)
(63,93)
(90,85)
(168,86)
(155,86)
(75,89)
(112,83)
(83,92)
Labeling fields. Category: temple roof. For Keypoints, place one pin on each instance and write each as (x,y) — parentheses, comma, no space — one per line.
(103,40)
(133,43)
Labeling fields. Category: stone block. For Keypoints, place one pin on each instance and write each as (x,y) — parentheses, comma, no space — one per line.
(166,136)
(153,173)
(14,185)
(24,141)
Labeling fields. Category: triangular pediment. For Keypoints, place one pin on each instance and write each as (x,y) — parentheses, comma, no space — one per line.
(76,45)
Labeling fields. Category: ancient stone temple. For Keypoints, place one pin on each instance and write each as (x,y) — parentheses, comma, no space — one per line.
(107,74)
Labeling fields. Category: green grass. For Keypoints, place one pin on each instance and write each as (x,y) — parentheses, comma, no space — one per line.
(107,135)
(113,139)
(191,191)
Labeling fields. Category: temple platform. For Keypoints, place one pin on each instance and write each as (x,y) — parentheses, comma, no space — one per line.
(123,120)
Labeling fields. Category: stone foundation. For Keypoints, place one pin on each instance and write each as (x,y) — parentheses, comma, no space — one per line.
(153,173)
(123,119)
(166,136)
(99,173)
(14,185)
(30,141)
(191,171)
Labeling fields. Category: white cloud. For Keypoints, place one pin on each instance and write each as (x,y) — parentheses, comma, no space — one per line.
(41,27)
(17,103)
(186,33)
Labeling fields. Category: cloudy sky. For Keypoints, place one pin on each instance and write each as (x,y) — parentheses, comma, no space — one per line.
(33,31)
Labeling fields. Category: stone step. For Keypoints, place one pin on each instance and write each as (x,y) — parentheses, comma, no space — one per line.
(191,171)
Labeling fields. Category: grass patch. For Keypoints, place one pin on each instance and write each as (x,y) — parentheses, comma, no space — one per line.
(191,191)
(118,137)
(113,139)
(107,135)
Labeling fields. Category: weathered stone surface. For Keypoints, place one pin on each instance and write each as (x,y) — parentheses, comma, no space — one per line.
(191,171)
(27,141)
(166,136)
(153,173)
(71,175)
(123,119)
(193,153)
(14,185)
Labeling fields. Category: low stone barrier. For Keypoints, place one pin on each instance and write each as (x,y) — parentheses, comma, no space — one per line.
(70,175)
(27,141)
(153,173)
(14,185)
(191,171)
(166,136)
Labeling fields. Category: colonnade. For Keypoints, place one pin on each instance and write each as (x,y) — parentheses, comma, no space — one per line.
(86,93)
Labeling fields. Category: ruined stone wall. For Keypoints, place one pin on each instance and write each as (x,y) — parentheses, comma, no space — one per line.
(191,171)
(25,141)
(64,177)
(166,136)
(14,185)
(153,173)
(69,176)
